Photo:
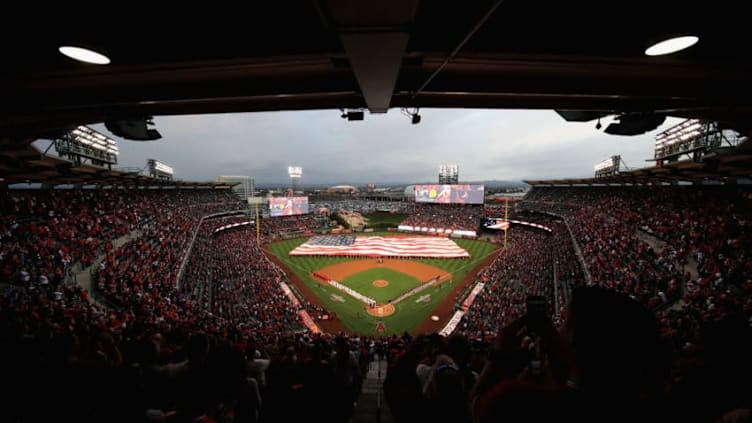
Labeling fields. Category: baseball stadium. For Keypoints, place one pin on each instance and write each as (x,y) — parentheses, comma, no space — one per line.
(376,211)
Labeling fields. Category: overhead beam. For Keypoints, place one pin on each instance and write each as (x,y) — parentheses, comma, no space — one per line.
(375,60)
(38,103)
(374,34)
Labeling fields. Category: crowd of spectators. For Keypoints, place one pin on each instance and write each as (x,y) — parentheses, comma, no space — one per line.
(230,276)
(362,206)
(447,216)
(704,226)
(69,358)
(286,226)
(222,345)
(157,339)
(44,233)
(524,268)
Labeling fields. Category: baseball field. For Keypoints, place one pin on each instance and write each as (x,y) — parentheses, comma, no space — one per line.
(389,282)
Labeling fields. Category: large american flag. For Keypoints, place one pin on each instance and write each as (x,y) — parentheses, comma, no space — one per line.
(374,246)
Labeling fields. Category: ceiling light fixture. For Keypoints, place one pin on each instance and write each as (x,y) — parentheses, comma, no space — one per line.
(672,45)
(84,55)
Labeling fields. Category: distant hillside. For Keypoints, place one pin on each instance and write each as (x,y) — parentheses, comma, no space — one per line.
(493,183)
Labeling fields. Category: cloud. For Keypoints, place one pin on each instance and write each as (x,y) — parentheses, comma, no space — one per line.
(486,144)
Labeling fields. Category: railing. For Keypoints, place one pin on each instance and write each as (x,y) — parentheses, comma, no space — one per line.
(575,244)
(578,254)
(188,250)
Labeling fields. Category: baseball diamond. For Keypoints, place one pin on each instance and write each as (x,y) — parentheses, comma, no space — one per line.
(381,289)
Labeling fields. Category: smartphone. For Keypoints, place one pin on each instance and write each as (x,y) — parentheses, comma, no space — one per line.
(536,323)
(536,313)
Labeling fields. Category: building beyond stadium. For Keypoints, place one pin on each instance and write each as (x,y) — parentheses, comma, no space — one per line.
(344,189)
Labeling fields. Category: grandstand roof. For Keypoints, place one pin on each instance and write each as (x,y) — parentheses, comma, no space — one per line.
(24,163)
(386,53)
(725,165)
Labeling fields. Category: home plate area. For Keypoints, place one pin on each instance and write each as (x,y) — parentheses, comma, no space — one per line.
(380,295)
(381,311)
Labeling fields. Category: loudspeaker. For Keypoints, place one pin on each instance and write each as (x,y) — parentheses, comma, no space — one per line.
(133,129)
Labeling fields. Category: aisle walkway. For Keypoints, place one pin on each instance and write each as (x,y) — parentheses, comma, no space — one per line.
(371,405)
(83,276)
(690,265)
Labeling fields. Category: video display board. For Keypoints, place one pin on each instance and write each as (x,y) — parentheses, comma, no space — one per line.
(288,206)
(450,194)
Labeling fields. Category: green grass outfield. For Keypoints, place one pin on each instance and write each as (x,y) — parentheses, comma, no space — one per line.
(384,220)
(408,313)
(398,283)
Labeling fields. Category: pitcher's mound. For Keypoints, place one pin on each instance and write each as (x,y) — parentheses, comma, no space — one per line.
(381,311)
(380,283)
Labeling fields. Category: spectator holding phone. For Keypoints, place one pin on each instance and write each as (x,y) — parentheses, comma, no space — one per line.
(606,364)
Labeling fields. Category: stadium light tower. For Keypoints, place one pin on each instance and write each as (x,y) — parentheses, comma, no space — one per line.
(159,170)
(84,143)
(692,140)
(449,174)
(295,173)
(608,167)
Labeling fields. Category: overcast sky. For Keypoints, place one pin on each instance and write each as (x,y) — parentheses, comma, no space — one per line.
(486,144)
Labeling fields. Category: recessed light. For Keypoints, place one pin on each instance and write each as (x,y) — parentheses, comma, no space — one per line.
(672,45)
(84,55)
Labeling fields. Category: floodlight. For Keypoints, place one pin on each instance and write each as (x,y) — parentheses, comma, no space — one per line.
(159,170)
(83,143)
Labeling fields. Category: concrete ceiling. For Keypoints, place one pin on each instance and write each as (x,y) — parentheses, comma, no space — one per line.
(374,54)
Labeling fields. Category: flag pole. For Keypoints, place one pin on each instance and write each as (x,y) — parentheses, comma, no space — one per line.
(506,219)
